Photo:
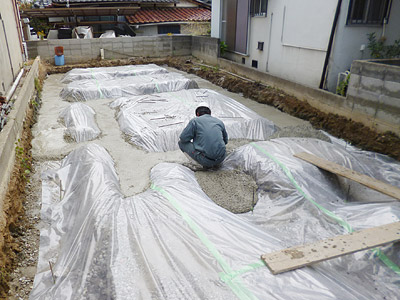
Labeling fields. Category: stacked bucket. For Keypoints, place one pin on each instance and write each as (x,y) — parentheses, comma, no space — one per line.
(59,56)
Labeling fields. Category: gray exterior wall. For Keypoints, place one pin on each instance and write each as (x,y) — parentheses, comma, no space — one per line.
(349,38)
(205,48)
(11,58)
(374,89)
(81,50)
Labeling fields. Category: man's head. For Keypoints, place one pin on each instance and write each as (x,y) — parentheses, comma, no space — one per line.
(203,109)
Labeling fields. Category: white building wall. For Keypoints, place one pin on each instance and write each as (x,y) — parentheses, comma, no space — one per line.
(299,38)
(350,38)
(216,19)
(295,35)
(9,35)
(147,30)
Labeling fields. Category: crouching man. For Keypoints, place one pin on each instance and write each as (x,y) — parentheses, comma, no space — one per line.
(204,138)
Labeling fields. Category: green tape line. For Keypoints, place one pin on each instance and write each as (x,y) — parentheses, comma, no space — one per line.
(97,83)
(226,276)
(386,260)
(230,276)
(343,223)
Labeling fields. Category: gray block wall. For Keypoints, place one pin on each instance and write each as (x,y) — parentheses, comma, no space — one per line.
(206,48)
(81,50)
(374,89)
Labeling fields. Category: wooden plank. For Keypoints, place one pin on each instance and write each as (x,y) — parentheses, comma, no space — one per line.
(365,180)
(304,255)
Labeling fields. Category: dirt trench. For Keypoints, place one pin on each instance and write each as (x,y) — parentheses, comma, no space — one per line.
(19,234)
(355,133)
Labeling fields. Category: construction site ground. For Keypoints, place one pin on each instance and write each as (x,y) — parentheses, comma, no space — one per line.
(293,117)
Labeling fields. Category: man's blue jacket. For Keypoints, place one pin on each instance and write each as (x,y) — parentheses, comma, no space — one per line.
(208,134)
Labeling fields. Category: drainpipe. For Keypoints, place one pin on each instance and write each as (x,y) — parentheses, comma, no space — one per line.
(14,86)
(330,44)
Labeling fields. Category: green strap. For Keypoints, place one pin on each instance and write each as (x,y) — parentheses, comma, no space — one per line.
(97,83)
(386,260)
(236,285)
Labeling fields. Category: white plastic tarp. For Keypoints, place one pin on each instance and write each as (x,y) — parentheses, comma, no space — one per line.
(173,242)
(108,34)
(80,121)
(154,122)
(84,90)
(103,73)
(82,32)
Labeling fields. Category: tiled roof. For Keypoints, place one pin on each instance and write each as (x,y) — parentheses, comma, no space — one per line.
(178,14)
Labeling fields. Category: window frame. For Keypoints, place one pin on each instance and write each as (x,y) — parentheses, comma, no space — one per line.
(366,14)
(258,12)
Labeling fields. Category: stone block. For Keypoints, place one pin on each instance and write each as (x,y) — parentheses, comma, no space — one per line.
(371,84)
(76,53)
(392,89)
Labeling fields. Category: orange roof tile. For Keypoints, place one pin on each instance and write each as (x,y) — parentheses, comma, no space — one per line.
(177,14)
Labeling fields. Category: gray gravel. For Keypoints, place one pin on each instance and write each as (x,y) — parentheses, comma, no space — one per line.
(230,189)
(28,238)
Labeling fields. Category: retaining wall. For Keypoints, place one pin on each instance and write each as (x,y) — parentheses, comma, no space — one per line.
(374,89)
(12,132)
(82,50)
(374,114)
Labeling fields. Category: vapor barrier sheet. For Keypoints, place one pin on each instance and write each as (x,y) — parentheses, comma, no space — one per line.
(91,89)
(173,242)
(154,122)
(80,121)
(104,73)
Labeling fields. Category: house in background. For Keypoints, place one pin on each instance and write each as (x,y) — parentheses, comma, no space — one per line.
(11,46)
(308,41)
(177,20)
(146,17)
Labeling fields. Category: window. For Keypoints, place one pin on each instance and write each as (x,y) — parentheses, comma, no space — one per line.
(367,12)
(165,29)
(254,63)
(258,8)
(260,46)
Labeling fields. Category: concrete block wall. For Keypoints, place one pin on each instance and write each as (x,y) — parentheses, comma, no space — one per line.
(81,50)
(205,48)
(12,132)
(374,114)
(374,89)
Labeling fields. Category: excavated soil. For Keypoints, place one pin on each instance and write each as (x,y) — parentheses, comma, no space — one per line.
(353,132)
(17,223)
(20,236)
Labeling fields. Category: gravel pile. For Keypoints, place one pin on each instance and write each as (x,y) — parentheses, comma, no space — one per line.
(230,189)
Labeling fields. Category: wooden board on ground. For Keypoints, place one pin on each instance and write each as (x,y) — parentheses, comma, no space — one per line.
(365,180)
(304,255)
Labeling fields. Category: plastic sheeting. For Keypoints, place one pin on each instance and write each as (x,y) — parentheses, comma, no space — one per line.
(80,121)
(104,73)
(173,242)
(108,34)
(84,90)
(154,122)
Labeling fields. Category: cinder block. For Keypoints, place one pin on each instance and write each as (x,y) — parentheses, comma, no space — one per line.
(371,84)
(117,46)
(75,46)
(76,53)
